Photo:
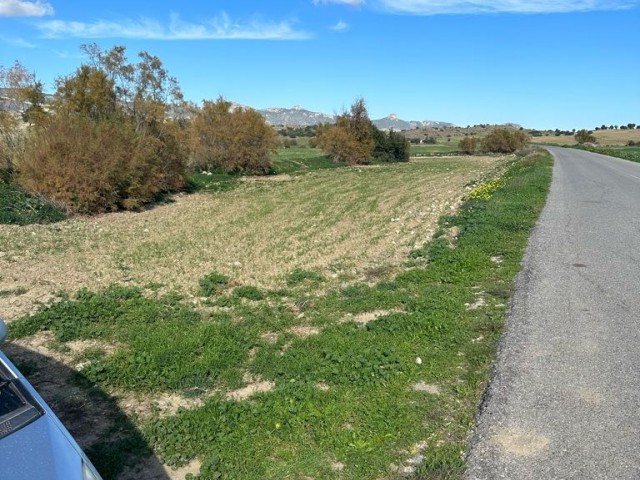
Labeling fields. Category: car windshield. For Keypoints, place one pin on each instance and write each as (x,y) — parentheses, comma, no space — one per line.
(17,407)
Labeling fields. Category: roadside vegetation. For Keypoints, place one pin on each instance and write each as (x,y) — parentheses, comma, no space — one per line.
(631,152)
(343,368)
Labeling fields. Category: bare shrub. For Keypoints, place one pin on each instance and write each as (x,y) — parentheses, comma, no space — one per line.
(584,136)
(231,140)
(94,167)
(504,140)
(468,145)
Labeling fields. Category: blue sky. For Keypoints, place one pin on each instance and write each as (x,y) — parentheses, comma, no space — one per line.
(540,63)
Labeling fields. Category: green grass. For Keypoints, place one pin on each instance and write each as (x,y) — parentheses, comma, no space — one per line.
(300,160)
(628,153)
(20,208)
(437,149)
(343,405)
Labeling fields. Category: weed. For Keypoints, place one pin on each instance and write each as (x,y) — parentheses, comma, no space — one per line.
(299,275)
(213,284)
(249,292)
(21,208)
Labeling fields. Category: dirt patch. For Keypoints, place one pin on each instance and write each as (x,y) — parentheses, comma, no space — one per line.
(304,331)
(152,469)
(250,390)
(366,317)
(522,443)
(426,387)
(269,337)
(160,404)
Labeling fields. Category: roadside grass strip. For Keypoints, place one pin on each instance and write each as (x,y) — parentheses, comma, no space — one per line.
(369,380)
(631,153)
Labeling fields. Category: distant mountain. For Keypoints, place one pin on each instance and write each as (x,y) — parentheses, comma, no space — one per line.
(295,116)
(395,123)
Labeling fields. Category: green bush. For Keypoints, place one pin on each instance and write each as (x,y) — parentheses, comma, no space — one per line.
(213,284)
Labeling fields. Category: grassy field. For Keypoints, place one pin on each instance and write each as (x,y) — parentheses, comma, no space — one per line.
(441,148)
(301,326)
(628,153)
(603,137)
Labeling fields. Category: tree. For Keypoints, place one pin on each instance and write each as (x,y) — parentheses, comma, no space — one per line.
(88,92)
(351,139)
(584,136)
(16,83)
(145,90)
(229,139)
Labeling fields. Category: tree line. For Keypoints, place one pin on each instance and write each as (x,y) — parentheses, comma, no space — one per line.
(118,134)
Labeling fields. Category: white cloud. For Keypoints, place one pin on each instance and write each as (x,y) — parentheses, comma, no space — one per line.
(340,26)
(344,2)
(439,7)
(219,28)
(17,42)
(20,8)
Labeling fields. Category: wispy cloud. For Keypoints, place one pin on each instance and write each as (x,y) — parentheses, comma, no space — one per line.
(344,2)
(219,28)
(17,42)
(20,8)
(439,7)
(340,26)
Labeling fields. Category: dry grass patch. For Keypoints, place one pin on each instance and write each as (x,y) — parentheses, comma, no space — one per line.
(604,137)
(255,234)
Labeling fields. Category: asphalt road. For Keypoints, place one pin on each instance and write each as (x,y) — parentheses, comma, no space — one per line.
(564,399)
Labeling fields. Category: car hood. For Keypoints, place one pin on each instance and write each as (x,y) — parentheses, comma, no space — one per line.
(40,450)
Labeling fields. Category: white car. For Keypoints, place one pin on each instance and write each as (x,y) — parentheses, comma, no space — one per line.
(34,445)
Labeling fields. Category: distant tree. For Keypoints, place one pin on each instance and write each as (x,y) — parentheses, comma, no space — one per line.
(18,84)
(584,136)
(504,140)
(231,139)
(631,126)
(351,139)
(468,145)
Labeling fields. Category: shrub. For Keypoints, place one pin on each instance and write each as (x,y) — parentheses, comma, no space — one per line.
(584,136)
(468,145)
(213,284)
(99,166)
(342,146)
(504,140)
(390,147)
(231,140)
(351,139)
